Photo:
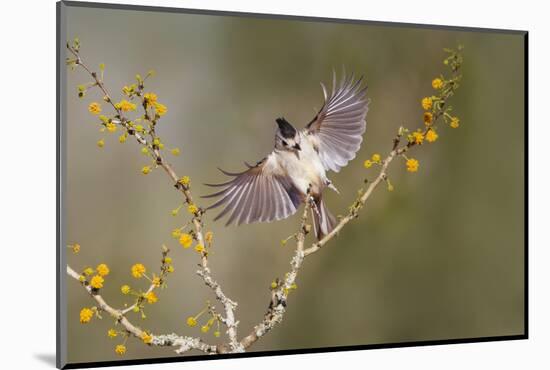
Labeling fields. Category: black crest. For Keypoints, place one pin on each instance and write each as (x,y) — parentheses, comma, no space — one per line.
(287,130)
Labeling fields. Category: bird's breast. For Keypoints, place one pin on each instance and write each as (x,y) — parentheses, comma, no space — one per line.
(304,169)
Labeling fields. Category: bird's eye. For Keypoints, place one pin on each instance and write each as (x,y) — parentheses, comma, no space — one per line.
(285,143)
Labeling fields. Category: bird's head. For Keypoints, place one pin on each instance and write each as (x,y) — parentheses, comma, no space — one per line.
(287,137)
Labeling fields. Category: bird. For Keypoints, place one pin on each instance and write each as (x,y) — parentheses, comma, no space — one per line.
(296,170)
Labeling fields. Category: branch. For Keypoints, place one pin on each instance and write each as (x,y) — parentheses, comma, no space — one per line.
(182,343)
(204,272)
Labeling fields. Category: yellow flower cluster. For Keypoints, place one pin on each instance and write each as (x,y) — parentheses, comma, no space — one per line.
(97,282)
(94,108)
(193,209)
(102,269)
(151,297)
(146,170)
(175,151)
(125,289)
(417,137)
(100,143)
(191,321)
(86,315)
(455,122)
(146,337)
(428,118)
(125,106)
(437,83)
(412,165)
(150,98)
(75,248)
(156,280)
(431,135)
(186,240)
(111,333)
(208,237)
(160,109)
(199,248)
(120,349)
(427,103)
(185,180)
(110,126)
(138,270)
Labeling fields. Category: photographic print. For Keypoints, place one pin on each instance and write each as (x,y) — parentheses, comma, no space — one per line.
(236,184)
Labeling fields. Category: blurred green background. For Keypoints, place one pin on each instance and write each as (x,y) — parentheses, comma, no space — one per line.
(440,257)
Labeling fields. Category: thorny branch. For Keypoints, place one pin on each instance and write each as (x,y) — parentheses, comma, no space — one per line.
(280,288)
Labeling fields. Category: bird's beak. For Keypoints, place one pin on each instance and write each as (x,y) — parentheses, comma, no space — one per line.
(297,147)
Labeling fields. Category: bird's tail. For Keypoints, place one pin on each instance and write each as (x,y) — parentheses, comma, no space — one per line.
(323,220)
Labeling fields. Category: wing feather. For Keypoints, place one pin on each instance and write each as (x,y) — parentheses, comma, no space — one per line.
(337,129)
(259,194)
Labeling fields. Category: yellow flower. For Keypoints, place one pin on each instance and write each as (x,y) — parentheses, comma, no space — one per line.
(176,233)
(112,333)
(86,315)
(208,237)
(146,337)
(101,143)
(428,118)
(273,285)
(431,135)
(437,83)
(160,109)
(417,137)
(88,271)
(125,106)
(151,297)
(75,248)
(102,269)
(125,289)
(150,98)
(191,321)
(175,151)
(455,122)
(138,270)
(193,209)
(156,281)
(367,163)
(217,333)
(146,170)
(186,240)
(199,248)
(170,268)
(94,108)
(167,259)
(120,349)
(97,282)
(122,138)
(111,127)
(184,180)
(156,141)
(205,328)
(412,165)
(427,103)
(376,157)
(139,128)
(82,278)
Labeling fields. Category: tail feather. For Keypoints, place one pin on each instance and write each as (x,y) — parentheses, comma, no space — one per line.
(323,220)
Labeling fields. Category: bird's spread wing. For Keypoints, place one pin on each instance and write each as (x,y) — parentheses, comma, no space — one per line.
(260,194)
(337,130)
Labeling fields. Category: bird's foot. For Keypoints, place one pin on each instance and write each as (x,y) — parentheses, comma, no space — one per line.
(331,186)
